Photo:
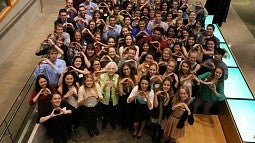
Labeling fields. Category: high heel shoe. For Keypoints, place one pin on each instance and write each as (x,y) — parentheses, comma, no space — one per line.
(134,135)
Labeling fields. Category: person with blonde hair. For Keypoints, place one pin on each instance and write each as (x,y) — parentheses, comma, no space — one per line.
(173,126)
(88,97)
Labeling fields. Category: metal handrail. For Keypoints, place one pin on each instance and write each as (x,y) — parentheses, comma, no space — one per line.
(6,123)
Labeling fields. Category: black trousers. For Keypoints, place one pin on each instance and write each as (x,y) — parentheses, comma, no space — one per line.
(90,117)
(109,113)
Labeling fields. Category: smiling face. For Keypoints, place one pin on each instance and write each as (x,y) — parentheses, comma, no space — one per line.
(218,73)
(177,48)
(56,100)
(210,45)
(193,57)
(153,70)
(157,35)
(96,16)
(111,42)
(183,94)
(92,25)
(144,85)
(125,31)
(90,52)
(111,70)
(127,21)
(42,82)
(149,58)
(111,52)
(166,86)
(89,82)
(128,40)
(185,67)
(146,47)
(69,3)
(131,54)
(96,65)
(170,67)
(77,36)
(82,11)
(141,25)
(112,21)
(171,32)
(69,79)
(209,30)
(191,41)
(77,62)
(185,33)
(169,17)
(126,70)
(166,55)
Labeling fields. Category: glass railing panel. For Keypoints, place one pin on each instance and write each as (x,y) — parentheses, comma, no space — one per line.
(236,86)
(243,112)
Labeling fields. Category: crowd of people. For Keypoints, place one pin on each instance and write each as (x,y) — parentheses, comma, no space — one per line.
(130,64)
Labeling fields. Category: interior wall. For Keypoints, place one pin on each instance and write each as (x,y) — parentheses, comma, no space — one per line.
(18,20)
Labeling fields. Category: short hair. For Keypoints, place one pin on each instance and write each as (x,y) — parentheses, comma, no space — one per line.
(52,49)
(132,48)
(81,5)
(159,29)
(61,11)
(115,5)
(210,25)
(112,16)
(158,12)
(58,25)
(220,51)
(112,64)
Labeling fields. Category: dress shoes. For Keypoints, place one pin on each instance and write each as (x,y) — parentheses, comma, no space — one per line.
(77,133)
(90,132)
(96,132)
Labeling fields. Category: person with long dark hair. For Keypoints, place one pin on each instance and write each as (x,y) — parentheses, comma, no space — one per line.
(69,93)
(212,89)
(41,93)
(57,119)
(143,96)
(127,80)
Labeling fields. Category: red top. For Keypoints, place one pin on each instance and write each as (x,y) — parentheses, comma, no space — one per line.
(163,44)
(43,101)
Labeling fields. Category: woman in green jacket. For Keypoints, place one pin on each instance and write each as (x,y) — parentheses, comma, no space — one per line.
(212,89)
